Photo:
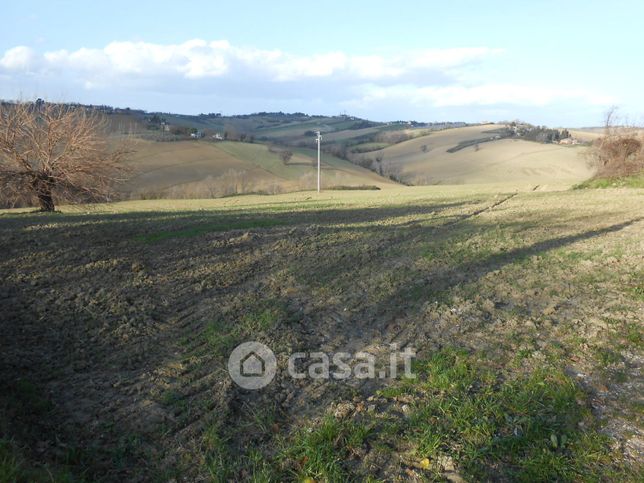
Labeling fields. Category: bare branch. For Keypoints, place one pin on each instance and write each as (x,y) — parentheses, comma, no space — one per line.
(55,152)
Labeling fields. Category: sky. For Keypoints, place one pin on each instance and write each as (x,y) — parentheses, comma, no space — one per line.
(546,62)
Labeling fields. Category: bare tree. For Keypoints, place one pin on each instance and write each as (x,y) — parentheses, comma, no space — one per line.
(55,152)
(286,156)
(610,120)
(620,151)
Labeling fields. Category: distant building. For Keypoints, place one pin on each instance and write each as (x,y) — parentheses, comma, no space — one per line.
(572,141)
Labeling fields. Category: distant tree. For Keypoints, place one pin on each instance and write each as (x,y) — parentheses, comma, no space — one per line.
(338,150)
(364,162)
(379,158)
(286,156)
(55,153)
(180,131)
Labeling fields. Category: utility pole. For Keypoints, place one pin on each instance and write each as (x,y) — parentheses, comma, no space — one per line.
(318,140)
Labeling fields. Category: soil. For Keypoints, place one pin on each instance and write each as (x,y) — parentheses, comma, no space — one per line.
(115,328)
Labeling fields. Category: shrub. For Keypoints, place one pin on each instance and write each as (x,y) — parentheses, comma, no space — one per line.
(620,152)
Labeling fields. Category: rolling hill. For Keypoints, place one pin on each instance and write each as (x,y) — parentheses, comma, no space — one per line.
(204,169)
(439,158)
(411,153)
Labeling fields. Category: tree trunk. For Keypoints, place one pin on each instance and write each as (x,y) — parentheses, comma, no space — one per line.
(46,201)
(43,192)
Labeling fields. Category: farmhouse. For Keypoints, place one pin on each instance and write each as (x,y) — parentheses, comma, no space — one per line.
(571,140)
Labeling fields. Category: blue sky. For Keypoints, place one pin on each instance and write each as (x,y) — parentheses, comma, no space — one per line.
(548,62)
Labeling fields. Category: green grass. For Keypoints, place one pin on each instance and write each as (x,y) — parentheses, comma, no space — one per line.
(319,452)
(23,403)
(638,292)
(259,155)
(10,467)
(222,337)
(523,428)
(15,468)
(607,357)
(171,398)
(218,458)
(634,335)
(328,160)
(514,417)
(224,465)
(635,181)
(296,128)
(302,163)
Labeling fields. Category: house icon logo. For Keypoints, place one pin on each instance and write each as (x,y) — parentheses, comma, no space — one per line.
(252,365)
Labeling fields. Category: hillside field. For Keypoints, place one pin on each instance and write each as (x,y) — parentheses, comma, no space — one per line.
(202,169)
(205,169)
(426,159)
(166,164)
(525,309)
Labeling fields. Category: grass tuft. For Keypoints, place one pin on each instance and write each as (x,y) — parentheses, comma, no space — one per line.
(635,181)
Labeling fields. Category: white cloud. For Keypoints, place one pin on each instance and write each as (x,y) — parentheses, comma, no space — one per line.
(285,67)
(192,59)
(412,81)
(446,58)
(82,60)
(481,95)
(19,59)
(196,59)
